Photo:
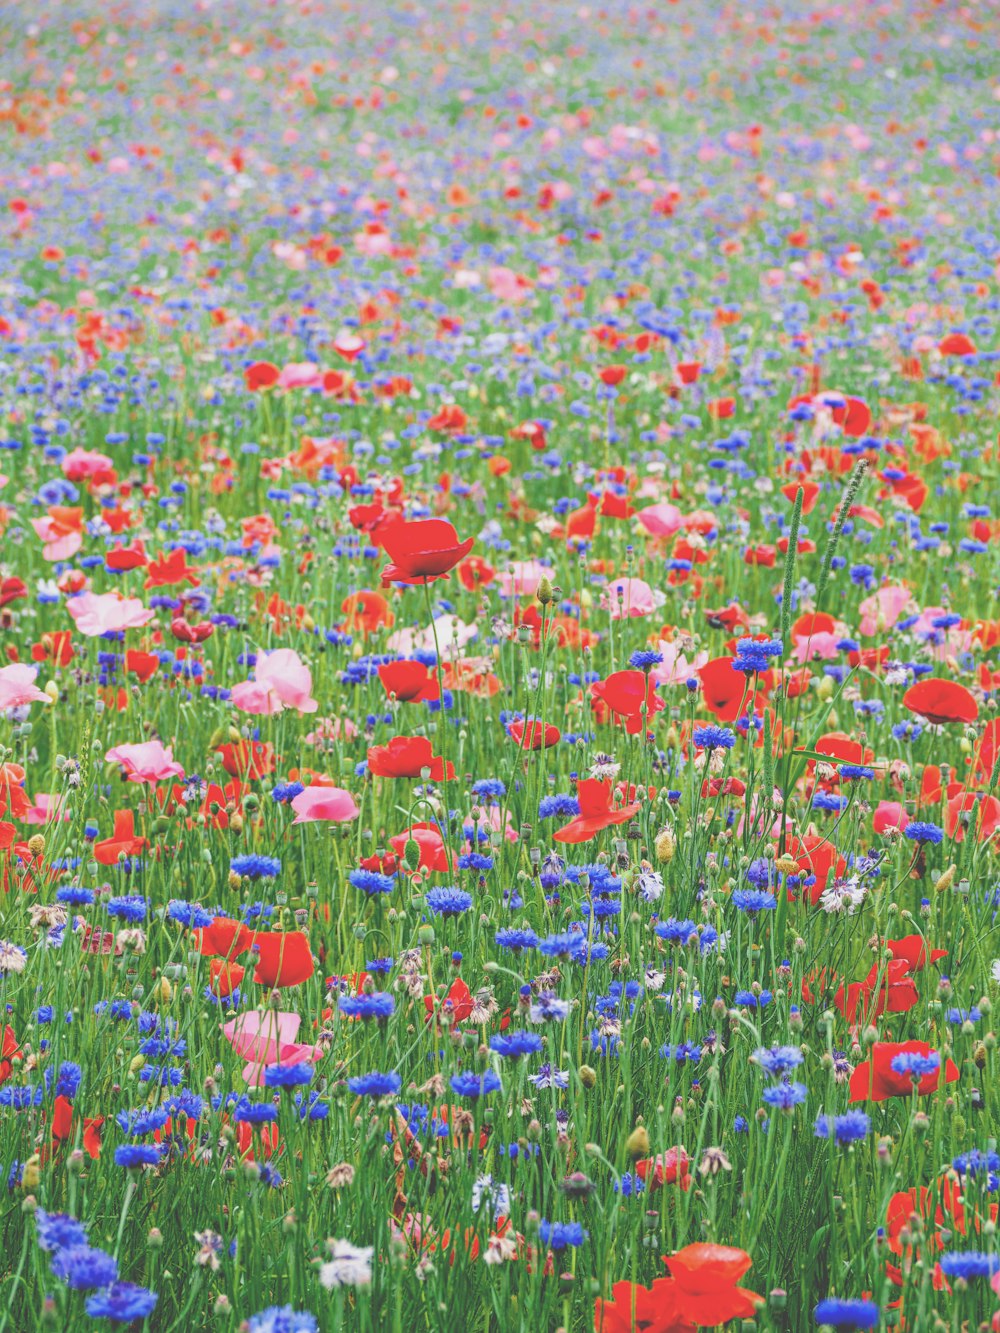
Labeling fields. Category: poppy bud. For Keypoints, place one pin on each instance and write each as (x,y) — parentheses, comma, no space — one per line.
(637,1143)
(665,846)
(588,1076)
(411,854)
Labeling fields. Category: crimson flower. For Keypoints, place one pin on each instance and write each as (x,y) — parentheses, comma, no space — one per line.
(597,812)
(421,552)
(531,735)
(941,701)
(875,1080)
(407,757)
(410,682)
(283,958)
(625,692)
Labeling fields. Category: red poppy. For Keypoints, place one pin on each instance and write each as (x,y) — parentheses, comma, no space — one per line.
(597,812)
(612,375)
(957,344)
(283,958)
(11,590)
(941,701)
(433,853)
(224,938)
(123,840)
(810,494)
(983,815)
(875,1080)
(223,977)
(422,552)
(625,692)
(247,760)
(187,633)
(532,735)
(724,690)
(635,1309)
(913,950)
(62,1119)
(457,1003)
(141,665)
(124,558)
(688,371)
(410,682)
(476,573)
(10,1051)
(170,569)
(407,757)
(667,1168)
(865,1000)
(367,611)
(705,1277)
(729,618)
(92,1127)
(261,375)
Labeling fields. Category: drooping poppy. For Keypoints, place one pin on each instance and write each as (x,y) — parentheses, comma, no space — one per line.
(941,701)
(597,812)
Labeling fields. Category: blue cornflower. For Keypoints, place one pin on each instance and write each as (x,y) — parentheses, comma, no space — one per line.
(561,1235)
(380,1005)
(567,944)
(254,1113)
(748,999)
(847,1314)
(849,1128)
(969,1264)
(778,1060)
(122,1303)
(516,940)
(75,895)
(254,866)
(753,655)
(685,1052)
(918,830)
(447,901)
(959,1016)
(192,915)
(856,773)
(674,931)
(785,1096)
(829,800)
(375,1084)
(132,1156)
(84,1267)
(287,1076)
(57,1231)
(753,901)
(560,806)
(283,1319)
(513,1045)
(474,1086)
(643,659)
(68,1080)
(486,787)
(144,1121)
(714,738)
(976,1163)
(371,882)
(130,907)
(914,1064)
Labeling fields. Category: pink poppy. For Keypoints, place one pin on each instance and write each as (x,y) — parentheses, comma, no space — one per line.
(59,544)
(331,804)
(449,630)
(48,809)
(268,1038)
(675,668)
(82,464)
(888,816)
(300,375)
(661,520)
(522,578)
(17,686)
(627,599)
(283,681)
(147,761)
(881,611)
(104,613)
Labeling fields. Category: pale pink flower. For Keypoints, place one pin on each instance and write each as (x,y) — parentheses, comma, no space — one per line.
(628,599)
(268,1038)
(81,464)
(48,809)
(283,681)
(331,804)
(675,668)
(661,520)
(147,761)
(300,375)
(17,686)
(449,630)
(522,578)
(331,729)
(882,609)
(809,646)
(58,544)
(104,613)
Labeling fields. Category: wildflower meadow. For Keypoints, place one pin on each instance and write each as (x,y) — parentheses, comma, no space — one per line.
(499,749)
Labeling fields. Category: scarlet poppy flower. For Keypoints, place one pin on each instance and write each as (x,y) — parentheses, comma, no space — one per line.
(724,690)
(457,1003)
(407,757)
(283,958)
(838,745)
(422,552)
(247,760)
(55,647)
(261,375)
(865,1000)
(433,853)
(612,375)
(667,1168)
(720,408)
(124,558)
(410,682)
(913,950)
(941,701)
(983,815)
(12,590)
(531,735)
(705,1277)
(141,665)
(625,692)
(170,569)
(223,977)
(730,618)
(123,840)
(957,344)
(476,573)
(187,633)
(224,938)
(635,1309)
(366,611)
(92,1127)
(875,1080)
(62,1119)
(10,1051)
(688,371)
(810,494)
(597,812)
